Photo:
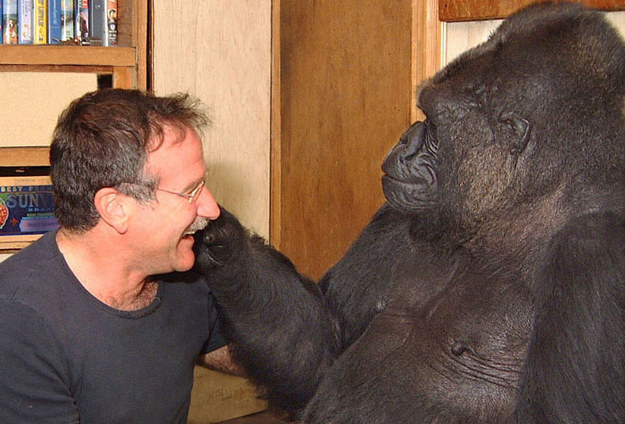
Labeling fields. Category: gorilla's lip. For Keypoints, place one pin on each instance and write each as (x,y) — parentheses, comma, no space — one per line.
(396,180)
(390,183)
(411,196)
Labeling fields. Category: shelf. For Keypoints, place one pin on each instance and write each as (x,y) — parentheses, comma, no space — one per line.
(25,156)
(127,64)
(68,55)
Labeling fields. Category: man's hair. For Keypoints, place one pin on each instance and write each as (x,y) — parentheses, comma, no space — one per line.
(103,139)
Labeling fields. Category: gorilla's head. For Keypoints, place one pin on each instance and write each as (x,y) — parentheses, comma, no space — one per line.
(535,114)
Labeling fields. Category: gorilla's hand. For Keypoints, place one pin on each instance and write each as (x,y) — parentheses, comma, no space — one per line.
(223,240)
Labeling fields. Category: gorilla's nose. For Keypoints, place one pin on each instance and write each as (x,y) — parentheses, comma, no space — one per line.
(398,159)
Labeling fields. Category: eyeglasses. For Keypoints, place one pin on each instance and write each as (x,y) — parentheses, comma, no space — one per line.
(191,196)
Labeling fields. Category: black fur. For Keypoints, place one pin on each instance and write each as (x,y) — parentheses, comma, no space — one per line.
(491,287)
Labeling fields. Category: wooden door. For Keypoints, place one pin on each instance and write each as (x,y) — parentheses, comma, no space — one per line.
(343,93)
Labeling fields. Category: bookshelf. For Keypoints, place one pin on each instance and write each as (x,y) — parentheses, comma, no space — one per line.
(127,64)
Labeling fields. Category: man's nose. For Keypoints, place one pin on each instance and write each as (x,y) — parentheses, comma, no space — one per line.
(207,206)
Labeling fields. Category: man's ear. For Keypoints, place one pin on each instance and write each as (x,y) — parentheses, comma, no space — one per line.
(113,208)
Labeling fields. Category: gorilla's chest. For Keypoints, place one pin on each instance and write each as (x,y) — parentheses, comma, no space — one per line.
(452,337)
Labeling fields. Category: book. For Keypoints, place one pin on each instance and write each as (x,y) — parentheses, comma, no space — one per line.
(25,32)
(54,22)
(81,20)
(110,37)
(67,19)
(26,205)
(60,21)
(97,22)
(1,22)
(9,21)
(40,19)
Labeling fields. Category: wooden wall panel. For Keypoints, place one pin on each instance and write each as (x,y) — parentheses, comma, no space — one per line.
(345,93)
(471,10)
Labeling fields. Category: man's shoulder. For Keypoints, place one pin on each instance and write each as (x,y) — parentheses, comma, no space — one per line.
(31,272)
(44,249)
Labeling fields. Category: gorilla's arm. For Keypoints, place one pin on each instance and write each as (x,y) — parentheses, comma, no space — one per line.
(283,334)
(574,372)
(360,284)
(286,332)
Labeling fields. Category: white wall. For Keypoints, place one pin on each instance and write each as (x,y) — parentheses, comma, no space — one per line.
(220,51)
(460,36)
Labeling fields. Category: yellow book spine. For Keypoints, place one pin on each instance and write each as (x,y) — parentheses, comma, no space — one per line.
(41,21)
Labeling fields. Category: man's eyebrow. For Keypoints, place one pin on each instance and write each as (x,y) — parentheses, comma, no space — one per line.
(195,183)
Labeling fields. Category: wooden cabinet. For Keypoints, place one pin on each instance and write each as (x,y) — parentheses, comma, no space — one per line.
(126,64)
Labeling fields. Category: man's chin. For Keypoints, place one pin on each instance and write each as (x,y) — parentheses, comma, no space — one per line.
(186,257)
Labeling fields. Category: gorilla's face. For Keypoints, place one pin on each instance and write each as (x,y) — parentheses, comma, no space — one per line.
(462,162)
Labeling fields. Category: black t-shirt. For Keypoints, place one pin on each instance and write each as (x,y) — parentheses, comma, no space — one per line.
(66,357)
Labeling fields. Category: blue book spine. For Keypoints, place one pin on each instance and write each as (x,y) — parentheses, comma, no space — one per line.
(54,22)
(9,21)
(25,21)
(1,22)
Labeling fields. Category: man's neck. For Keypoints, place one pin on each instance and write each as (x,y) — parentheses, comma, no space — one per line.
(103,269)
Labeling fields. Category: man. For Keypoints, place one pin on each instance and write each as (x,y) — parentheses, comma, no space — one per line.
(89,331)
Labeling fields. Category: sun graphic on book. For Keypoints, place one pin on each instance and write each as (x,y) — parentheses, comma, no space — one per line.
(4,213)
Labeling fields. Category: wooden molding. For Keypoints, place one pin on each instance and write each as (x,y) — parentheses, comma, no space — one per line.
(275,193)
(427,45)
(24,156)
(475,10)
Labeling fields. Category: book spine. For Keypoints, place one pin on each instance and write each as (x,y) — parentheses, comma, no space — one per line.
(1,32)
(81,20)
(40,16)
(25,21)
(110,36)
(9,21)
(97,22)
(67,19)
(54,21)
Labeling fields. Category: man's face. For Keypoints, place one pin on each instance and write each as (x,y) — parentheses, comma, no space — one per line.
(161,229)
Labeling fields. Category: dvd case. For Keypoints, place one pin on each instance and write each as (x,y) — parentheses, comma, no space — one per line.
(25,32)
(97,22)
(54,21)
(67,19)
(9,21)
(40,19)
(81,21)
(110,37)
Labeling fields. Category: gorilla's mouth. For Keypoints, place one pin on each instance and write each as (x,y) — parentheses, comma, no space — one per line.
(407,195)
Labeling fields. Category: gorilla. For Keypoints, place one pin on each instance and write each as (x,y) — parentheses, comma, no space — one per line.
(490,287)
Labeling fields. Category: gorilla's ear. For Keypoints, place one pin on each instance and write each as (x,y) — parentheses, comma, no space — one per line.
(519,130)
